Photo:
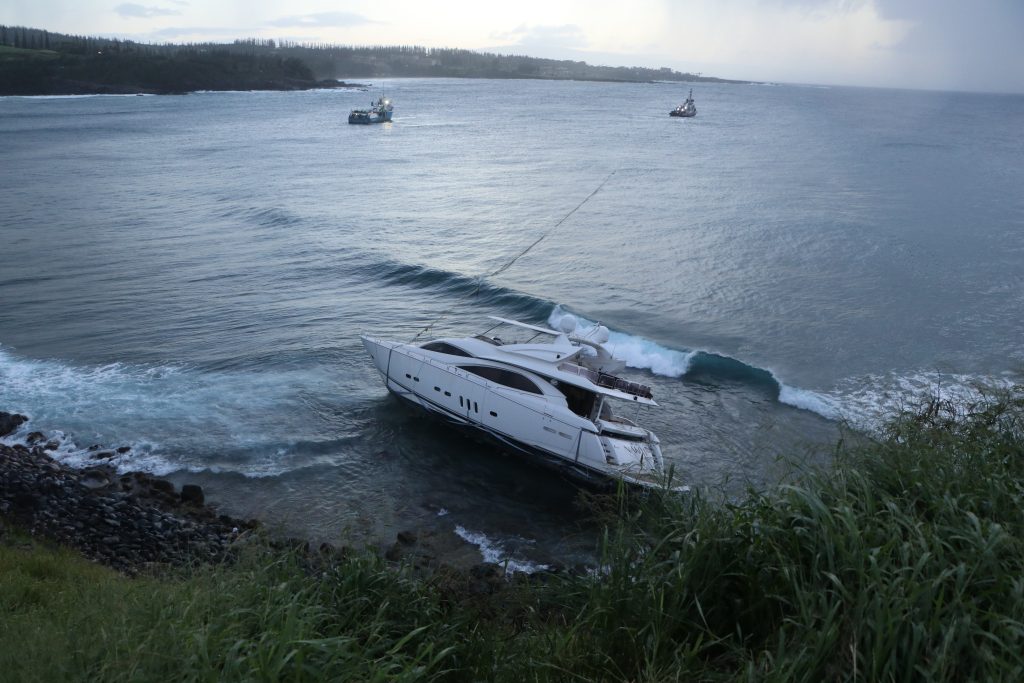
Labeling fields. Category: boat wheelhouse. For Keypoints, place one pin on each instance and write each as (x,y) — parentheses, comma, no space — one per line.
(379,112)
(687,109)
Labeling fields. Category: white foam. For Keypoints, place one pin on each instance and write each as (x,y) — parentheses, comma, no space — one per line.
(170,416)
(637,352)
(868,402)
(805,399)
(493,551)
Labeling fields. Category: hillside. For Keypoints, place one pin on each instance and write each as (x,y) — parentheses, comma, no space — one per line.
(903,562)
(38,62)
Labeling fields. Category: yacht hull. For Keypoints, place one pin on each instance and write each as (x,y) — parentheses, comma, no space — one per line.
(500,442)
(518,424)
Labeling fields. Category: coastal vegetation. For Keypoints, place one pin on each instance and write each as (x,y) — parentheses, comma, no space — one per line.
(904,560)
(39,62)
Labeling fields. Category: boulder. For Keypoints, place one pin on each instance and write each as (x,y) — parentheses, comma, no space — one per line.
(10,421)
(193,494)
(34,438)
(394,553)
(487,571)
(486,577)
(94,479)
(162,485)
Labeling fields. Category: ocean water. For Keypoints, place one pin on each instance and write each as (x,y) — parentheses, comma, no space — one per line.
(188,275)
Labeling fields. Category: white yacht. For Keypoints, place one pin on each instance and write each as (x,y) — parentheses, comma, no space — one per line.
(549,393)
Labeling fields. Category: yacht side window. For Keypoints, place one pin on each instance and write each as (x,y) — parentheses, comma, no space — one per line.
(507,378)
(442,347)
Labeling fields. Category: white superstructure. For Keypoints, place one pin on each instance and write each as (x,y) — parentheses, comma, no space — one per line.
(552,395)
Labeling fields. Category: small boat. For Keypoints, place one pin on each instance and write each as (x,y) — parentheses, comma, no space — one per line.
(379,112)
(549,394)
(686,109)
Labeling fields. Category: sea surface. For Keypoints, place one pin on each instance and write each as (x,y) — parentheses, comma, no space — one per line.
(188,275)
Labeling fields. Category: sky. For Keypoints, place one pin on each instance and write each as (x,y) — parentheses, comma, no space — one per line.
(974,45)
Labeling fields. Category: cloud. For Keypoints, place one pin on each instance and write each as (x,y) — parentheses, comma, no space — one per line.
(812,5)
(566,36)
(189,31)
(950,44)
(130,10)
(322,19)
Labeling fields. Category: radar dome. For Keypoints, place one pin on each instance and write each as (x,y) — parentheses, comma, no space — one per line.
(568,323)
(600,334)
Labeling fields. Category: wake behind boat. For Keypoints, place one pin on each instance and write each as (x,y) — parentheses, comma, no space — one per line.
(552,398)
(379,112)
(687,109)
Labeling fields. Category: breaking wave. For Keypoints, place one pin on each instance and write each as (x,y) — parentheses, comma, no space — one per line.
(865,402)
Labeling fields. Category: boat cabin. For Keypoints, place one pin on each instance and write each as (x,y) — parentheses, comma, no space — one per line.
(558,362)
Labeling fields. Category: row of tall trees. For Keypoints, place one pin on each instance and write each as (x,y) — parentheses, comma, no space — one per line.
(317,60)
(52,63)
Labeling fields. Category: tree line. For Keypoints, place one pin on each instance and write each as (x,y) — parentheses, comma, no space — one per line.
(48,62)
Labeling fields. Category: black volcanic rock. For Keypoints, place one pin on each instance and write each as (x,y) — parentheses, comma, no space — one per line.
(10,421)
(136,522)
(128,522)
(192,494)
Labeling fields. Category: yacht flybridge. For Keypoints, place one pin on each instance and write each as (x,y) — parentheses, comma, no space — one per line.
(549,393)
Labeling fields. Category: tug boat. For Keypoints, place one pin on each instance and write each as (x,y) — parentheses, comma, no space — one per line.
(687,109)
(550,394)
(379,112)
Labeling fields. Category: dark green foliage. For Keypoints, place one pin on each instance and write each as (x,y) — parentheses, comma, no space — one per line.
(98,65)
(270,617)
(903,562)
(118,69)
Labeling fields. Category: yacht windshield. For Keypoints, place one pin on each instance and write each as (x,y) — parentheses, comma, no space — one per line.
(446,348)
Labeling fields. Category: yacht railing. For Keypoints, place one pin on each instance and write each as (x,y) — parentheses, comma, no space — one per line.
(603,379)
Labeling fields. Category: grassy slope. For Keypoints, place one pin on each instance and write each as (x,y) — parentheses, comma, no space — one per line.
(905,562)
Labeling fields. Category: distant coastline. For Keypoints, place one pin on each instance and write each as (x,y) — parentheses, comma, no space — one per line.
(39,62)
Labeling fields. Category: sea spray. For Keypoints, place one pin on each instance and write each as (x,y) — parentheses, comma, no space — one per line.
(495,552)
(637,352)
(172,416)
(864,402)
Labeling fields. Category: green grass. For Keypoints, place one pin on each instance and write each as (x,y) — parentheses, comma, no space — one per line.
(903,562)
(265,618)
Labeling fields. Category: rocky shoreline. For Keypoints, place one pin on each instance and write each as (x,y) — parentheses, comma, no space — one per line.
(127,521)
(135,522)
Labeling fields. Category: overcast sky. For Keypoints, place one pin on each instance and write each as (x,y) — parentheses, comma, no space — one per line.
(933,44)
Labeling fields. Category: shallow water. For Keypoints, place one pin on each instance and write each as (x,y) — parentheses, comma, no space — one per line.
(189,275)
